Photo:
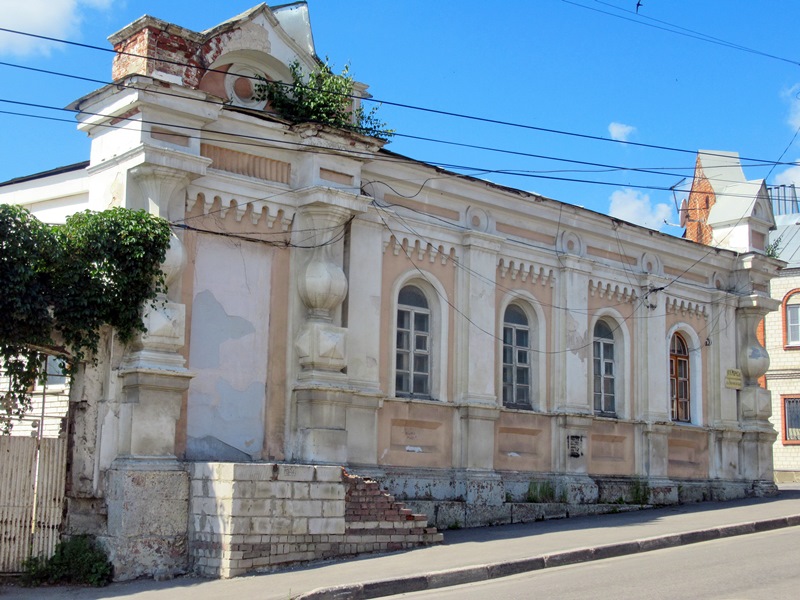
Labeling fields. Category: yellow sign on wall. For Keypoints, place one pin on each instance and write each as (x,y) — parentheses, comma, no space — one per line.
(734,379)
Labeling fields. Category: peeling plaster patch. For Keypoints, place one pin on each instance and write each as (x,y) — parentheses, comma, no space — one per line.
(234,417)
(576,342)
(240,405)
(217,326)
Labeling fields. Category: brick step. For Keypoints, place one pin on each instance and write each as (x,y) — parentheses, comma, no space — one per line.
(368,507)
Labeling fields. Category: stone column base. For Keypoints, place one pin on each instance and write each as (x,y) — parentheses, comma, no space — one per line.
(148,512)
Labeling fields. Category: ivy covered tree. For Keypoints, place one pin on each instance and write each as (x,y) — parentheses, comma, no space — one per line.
(322,97)
(61,283)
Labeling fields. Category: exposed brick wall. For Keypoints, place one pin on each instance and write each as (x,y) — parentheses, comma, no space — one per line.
(760,336)
(252,516)
(373,513)
(701,199)
(153,49)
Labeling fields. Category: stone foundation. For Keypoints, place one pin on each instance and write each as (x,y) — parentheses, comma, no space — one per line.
(261,516)
(246,517)
(455,499)
(146,531)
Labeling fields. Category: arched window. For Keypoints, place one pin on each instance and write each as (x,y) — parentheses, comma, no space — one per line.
(604,371)
(413,347)
(516,358)
(679,379)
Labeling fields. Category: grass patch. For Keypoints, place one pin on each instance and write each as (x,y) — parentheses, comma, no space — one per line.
(76,560)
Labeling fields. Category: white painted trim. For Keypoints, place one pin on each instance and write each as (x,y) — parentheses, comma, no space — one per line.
(440,314)
(622,346)
(695,372)
(537,325)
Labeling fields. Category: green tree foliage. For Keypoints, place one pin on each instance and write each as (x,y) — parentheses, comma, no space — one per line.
(63,282)
(322,97)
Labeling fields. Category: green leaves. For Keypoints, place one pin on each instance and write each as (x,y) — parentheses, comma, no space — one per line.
(322,97)
(97,269)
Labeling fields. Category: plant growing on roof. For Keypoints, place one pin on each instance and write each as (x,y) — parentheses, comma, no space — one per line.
(321,97)
(61,283)
(773,249)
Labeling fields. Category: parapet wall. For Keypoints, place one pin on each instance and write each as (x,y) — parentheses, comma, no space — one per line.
(245,517)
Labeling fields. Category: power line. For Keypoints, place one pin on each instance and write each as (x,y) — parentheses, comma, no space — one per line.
(602,167)
(301,147)
(396,104)
(678,30)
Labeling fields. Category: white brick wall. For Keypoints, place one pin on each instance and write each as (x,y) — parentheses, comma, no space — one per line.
(783,377)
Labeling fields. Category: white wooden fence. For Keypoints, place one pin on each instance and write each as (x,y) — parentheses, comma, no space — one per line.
(33,464)
(31,498)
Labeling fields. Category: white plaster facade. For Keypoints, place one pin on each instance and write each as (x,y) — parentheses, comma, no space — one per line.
(278,340)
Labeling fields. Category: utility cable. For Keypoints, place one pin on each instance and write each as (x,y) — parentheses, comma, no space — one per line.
(390,103)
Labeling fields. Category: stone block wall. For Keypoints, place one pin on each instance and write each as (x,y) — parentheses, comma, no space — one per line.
(146,522)
(260,516)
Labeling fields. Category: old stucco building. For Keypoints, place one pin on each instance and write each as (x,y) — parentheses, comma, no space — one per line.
(334,304)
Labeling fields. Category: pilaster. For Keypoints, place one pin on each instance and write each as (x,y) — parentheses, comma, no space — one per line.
(476,353)
(323,396)
(477,435)
(572,342)
(650,355)
(755,403)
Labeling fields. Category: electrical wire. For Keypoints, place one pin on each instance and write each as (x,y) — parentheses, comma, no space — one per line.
(602,167)
(234,138)
(388,102)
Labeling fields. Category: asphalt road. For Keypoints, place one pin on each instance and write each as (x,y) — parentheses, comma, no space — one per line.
(764,565)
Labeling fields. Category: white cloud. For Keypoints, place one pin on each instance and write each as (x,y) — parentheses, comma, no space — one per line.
(620,131)
(635,207)
(51,18)
(789,175)
(791,95)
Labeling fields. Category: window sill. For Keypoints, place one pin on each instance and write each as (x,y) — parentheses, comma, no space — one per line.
(519,407)
(414,400)
(791,347)
(607,415)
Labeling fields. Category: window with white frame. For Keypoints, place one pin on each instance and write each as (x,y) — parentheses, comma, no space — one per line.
(791,420)
(792,320)
(413,345)
(604,370)
(679,381)
(516,358)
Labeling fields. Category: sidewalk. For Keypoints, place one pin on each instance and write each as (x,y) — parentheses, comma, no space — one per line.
(470,555)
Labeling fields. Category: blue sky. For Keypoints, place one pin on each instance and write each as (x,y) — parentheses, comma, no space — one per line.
(580,66)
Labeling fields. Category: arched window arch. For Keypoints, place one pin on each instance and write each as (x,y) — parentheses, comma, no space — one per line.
(604,369)
(680,379)
(791,319)
(413,366)
(517,392)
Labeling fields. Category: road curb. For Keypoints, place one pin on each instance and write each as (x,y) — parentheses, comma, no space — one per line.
(451,577)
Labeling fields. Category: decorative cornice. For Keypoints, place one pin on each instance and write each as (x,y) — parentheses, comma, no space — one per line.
(685,307)
(620,293)
(420,250)
(259,209)
(526,271)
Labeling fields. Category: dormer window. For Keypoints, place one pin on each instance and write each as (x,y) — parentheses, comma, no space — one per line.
(758,240)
